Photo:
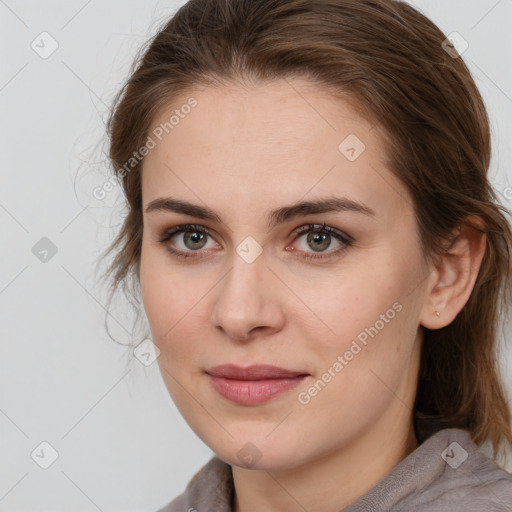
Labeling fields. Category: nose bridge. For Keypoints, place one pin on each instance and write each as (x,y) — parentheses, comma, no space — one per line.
(244,299)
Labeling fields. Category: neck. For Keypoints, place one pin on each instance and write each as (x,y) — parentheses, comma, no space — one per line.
(330,483)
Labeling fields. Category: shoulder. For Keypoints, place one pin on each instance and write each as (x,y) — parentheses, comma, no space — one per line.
(210,488)
(447,472)
(462,477)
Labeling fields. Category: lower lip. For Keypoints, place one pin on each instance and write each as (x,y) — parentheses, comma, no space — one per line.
(253,392)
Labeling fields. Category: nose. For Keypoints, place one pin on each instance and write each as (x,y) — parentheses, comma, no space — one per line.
(248,302)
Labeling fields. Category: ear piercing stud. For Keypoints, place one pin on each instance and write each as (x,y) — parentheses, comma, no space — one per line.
(437,313)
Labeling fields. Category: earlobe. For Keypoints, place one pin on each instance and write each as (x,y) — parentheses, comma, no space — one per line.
(454,275)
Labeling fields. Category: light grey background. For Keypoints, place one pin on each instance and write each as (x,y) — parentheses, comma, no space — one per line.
(121,444)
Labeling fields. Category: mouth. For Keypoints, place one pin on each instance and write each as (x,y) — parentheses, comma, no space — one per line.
(253,385)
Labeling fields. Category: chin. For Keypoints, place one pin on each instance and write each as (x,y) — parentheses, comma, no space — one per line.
(260,454)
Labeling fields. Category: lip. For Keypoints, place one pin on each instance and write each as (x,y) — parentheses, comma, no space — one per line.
(252,385)
(254,372)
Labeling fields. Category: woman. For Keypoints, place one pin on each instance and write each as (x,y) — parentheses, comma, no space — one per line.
(320,256)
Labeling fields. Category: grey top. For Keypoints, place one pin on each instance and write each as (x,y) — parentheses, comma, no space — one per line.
(447,472)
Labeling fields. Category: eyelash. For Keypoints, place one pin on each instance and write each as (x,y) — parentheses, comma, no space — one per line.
(319,228)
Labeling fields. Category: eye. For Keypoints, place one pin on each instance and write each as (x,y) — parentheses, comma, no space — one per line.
(194,239)
(191,239)
(319,238)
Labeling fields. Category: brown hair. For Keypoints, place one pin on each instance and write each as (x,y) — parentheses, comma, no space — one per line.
(389,58)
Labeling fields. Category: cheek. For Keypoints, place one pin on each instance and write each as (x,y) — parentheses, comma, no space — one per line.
(365,315)
(366,355)
(162,294)
(173,301)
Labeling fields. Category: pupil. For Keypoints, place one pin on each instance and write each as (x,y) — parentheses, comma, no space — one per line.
(318,237)
(194,237)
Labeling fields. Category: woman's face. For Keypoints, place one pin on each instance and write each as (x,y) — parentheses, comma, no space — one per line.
(338,306)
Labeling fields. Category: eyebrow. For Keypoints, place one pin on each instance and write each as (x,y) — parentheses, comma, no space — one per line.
(276,217)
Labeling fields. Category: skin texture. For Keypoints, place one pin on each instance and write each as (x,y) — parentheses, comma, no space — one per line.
(243,151)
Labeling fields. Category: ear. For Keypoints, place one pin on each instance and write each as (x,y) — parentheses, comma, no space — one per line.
(451,282)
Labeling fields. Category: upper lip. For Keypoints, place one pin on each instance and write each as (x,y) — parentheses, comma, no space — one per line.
(254,372)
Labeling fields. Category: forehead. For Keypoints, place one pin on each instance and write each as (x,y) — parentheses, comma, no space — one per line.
(250,142)
(286,111)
